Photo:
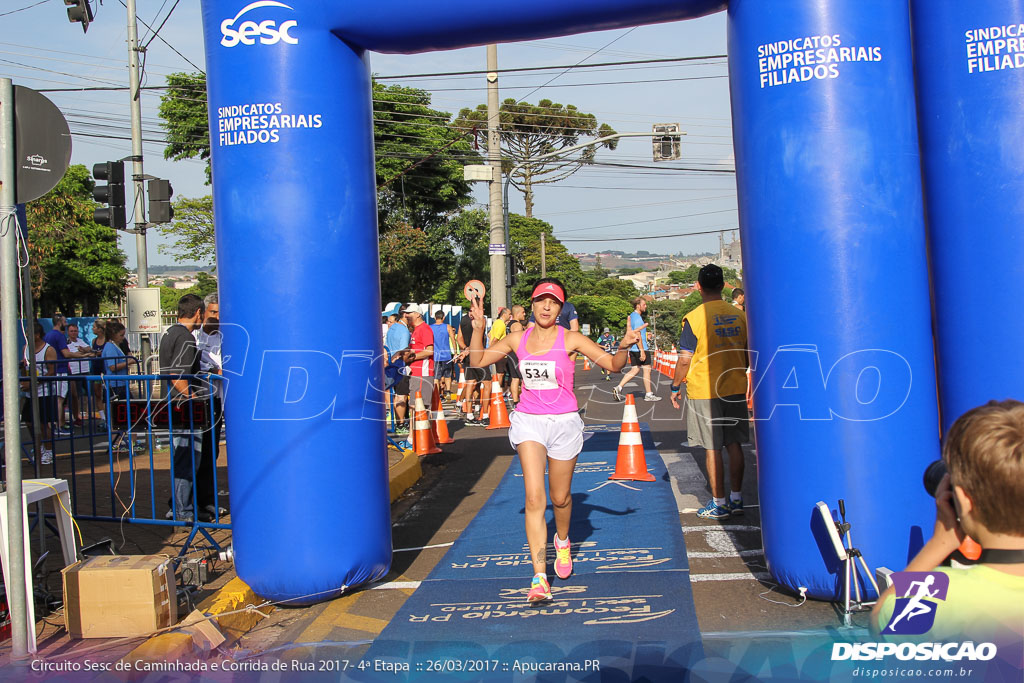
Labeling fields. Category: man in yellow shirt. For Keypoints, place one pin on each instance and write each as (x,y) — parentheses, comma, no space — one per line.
(713,364)
(498,331)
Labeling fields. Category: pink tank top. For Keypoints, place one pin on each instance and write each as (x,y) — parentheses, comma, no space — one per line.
(547,379)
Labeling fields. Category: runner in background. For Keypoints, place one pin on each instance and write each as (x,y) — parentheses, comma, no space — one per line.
(444,365)
(475,377)
(547,430)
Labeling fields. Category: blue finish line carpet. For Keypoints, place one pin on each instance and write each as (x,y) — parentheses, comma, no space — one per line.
(626,613)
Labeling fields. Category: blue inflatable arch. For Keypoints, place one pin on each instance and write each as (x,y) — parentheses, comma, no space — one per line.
(831,214)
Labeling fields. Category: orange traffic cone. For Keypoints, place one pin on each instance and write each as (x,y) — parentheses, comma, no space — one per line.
(439,424)
(499,413)
(422,436)
(462,384)
(586,363)
(441,434)
(631,463)
(435,401)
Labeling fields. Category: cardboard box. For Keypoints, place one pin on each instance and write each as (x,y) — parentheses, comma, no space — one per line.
(117,596)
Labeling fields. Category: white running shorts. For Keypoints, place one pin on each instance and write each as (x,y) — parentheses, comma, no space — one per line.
(561,435)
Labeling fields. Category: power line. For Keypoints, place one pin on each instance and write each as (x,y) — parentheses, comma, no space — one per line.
(174,49)
(553,78)
(510,70)
(644,237)
(22,9)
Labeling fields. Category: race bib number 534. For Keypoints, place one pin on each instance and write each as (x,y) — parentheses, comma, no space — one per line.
(539,374)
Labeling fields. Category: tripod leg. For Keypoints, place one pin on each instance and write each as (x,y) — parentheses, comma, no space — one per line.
(871,577)
(846,591)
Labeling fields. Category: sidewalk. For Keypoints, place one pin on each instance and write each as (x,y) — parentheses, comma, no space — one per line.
(127,538)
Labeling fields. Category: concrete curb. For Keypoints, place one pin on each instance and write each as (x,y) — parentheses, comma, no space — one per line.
(403,474)
(186,643)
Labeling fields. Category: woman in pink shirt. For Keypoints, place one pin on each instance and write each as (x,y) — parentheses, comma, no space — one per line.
(547,430)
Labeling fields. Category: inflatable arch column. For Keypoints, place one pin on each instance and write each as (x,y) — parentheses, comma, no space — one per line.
(831,218)
(830,209)
(970,81)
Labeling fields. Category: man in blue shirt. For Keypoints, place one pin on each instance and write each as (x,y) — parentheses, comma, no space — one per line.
(638,355)
(59,342)
(397,339)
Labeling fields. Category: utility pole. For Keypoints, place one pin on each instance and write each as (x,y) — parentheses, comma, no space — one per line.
(141,258)
(543,254)
(17,599)
(499,282)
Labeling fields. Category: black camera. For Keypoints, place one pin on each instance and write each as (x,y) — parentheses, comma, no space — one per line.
(933,475)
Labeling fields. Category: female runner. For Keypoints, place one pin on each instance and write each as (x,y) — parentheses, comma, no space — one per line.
(546,426)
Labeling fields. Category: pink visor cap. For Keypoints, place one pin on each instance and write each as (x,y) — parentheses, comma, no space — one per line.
(549,288)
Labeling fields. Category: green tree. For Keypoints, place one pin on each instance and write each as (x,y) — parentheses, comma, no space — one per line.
(524,247)
(630,271)
(75,263)
(183,110)
(689,276)
(603,311)
(529,131)
(191,230)
(419,159)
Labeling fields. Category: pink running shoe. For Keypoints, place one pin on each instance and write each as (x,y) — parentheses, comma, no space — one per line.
(563,561)
(540,590)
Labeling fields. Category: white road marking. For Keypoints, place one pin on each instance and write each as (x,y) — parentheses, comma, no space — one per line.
(716,554)
(731,528)
(424,547)
(395,585)
(733,576)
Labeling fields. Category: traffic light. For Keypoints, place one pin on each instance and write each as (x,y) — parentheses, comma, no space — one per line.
(79,11)
(666,141)
(111,194)
(160,210)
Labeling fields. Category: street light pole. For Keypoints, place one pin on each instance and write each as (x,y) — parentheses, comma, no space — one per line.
(550,155)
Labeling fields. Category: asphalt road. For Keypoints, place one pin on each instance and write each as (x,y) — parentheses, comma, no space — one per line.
(734,595)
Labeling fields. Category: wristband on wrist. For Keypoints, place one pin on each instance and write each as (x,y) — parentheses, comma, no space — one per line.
(676,388)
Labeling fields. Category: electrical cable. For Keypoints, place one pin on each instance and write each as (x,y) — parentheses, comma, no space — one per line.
(578,65)
(174,49)
(22,9)
(553,78)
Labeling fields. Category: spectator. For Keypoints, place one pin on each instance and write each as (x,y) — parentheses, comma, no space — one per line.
(395,342)
(516,324)
(444,363)
(209,342)
(639,357)
(79,348)
(56,339)
(713,364)
(979,497)
(420,354)
(99,340)
(476,378)
(739,299)
(114,360)
(498,331)
(46,393)
(179,358)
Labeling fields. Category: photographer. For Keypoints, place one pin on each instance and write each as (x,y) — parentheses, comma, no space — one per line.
(979,497)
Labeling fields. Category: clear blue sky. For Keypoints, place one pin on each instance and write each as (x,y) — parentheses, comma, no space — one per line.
(40,49)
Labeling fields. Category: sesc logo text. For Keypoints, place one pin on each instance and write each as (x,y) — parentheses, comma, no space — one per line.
(267,31)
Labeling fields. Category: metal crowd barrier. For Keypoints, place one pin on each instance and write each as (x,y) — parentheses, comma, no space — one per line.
(121,459)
